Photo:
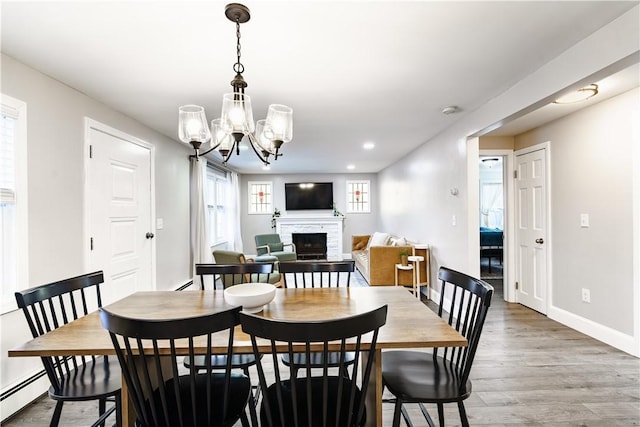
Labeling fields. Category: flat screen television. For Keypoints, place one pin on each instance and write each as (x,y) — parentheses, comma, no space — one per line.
(308,195)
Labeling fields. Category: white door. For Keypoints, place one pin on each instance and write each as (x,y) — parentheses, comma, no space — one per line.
(531,229)
(119,212)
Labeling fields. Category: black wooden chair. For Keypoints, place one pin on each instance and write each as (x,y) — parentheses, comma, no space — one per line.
(322,400)
(234,274)
(146,350)
(229,275)
(442,376)
(314,274)
(50,306)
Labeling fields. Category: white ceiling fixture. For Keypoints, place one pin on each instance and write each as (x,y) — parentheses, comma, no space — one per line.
(451,109)
(236,120)
(490,162)
(581,94)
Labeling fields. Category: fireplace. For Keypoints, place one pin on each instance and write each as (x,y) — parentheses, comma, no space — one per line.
(331,225)
(310,245)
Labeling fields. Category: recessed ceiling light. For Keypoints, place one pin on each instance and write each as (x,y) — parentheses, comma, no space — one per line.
(351,167)
(266,167)
(581,94)
(368,145)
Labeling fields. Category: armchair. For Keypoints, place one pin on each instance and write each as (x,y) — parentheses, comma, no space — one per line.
(231,257)
(270,245)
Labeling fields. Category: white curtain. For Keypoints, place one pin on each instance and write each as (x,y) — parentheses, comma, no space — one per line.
(491,205)
(200,249)
(234,215)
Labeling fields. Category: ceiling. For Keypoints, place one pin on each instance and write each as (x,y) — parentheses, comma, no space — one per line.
(353,71)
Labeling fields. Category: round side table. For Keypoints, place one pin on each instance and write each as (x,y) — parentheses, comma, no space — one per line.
(403,267)
(416,260)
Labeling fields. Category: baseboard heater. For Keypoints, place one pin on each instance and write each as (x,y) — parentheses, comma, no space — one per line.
(22,385)
(35,377)
(185,286)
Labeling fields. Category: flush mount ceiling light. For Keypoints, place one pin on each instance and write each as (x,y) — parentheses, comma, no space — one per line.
(451,109)
(490,161)
(578,95)
(236,120)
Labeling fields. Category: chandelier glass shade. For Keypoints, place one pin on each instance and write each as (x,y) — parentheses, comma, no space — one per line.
(236,119)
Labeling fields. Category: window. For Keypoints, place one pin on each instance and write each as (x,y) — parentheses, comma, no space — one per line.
(217,206)
(13,201)
(358,197)
(260,197)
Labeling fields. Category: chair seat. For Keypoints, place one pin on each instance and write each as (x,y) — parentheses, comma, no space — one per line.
(413,376)
(266,258)
(317,384)
(93,380)
(285,256)
(317,359)
(238,361)
(240,387)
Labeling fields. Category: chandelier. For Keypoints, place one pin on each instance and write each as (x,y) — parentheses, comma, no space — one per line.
(236,119)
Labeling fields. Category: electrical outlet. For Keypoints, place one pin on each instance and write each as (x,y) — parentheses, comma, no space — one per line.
(586,295)
(454,220)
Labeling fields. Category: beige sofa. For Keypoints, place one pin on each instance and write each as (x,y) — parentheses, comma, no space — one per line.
(377,263)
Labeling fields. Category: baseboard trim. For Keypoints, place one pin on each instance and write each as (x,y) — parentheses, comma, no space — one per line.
(595,330)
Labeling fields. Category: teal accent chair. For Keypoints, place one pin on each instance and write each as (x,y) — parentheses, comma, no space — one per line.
(232,257)
(270,245)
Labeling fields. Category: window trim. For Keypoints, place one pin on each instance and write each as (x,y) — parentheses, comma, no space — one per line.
(367,207)
(217,175)
(268,205)
(18,109)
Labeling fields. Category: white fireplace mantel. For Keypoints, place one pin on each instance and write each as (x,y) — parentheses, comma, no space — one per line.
(332,225)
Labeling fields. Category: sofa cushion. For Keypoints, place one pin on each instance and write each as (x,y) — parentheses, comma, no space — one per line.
(379,239)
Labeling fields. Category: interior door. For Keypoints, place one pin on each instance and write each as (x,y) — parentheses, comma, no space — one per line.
(531,229)
(120,213)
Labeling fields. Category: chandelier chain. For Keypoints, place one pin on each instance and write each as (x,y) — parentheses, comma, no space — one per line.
(238,67)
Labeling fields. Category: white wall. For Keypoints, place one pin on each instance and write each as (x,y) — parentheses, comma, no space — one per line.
(592,172)
(416,190)
(361,223)
(55,129)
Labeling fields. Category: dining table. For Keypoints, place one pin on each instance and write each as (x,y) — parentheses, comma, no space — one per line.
(410,324)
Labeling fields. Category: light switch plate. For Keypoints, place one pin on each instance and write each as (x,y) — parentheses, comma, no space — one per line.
(584,220)
(159,223)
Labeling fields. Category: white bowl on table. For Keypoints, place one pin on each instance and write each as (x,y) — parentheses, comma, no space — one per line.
(251,296)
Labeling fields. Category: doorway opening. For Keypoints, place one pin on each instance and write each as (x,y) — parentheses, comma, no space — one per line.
(492,218)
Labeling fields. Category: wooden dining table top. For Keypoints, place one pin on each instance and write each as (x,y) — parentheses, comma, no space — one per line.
(410,324)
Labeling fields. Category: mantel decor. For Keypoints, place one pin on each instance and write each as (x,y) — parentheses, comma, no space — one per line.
(236,119)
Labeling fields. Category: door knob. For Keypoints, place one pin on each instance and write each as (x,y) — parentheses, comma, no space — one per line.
(149,235)
(540,241)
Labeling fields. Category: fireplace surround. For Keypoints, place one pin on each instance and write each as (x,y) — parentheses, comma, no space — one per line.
(331,225)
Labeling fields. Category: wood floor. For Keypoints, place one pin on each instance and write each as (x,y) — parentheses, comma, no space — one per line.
(529,371)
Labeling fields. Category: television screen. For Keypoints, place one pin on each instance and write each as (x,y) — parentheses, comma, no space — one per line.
(308,195)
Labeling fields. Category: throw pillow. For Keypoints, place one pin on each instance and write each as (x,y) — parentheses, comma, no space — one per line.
(399,241)
(379,239)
